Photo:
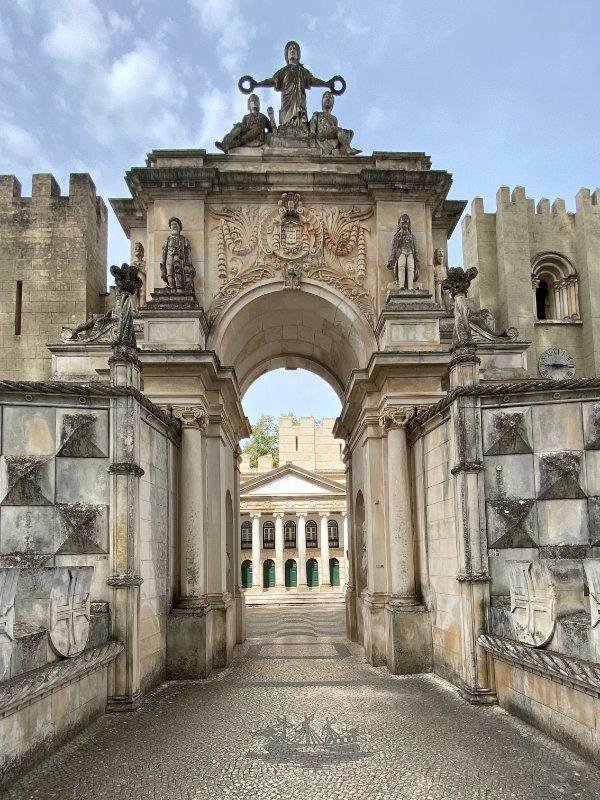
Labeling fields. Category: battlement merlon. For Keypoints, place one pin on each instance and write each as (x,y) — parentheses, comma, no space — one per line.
(45,188)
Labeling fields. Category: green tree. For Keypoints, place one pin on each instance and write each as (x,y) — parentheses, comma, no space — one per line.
(264,440)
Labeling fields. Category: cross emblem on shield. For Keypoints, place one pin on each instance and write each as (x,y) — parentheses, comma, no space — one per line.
(8,587)
(70,610)
(532,602)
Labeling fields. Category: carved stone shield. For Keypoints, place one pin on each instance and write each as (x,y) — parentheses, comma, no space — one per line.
(8,587)
(532,602)
(70,610)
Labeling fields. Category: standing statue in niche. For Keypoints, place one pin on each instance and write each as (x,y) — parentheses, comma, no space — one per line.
(251,131)
(332,139)
(439,276)
(176,268)
(404,261)
(292,81)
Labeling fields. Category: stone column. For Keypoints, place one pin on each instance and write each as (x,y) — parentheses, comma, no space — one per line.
(256,582)
(301,544)
(191,505)
(535,284)
(325,579)
(188,651)
(400,526)
(279,568)
(125,579)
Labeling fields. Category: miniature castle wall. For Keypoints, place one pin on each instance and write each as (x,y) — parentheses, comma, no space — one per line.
(57,247)
(504,245)
(309,444)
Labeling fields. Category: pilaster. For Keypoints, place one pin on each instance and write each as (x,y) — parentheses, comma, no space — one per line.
(325,577)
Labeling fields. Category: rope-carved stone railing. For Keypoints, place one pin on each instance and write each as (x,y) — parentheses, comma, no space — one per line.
(500,389)
(30,685)
(584,674)
(90,390)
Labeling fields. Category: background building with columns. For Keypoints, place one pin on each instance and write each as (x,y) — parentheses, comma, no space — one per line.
(293,534)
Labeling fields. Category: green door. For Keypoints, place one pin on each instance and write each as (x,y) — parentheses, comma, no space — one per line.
(312,573)
(291,573)
(269,574)
(246,574)
(334,572)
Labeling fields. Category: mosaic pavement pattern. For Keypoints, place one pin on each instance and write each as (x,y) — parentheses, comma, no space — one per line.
(308,718)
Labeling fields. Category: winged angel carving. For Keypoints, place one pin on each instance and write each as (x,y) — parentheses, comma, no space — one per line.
(292,241)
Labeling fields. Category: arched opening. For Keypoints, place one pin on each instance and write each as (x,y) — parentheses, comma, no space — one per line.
(333,533)
(312,573)
(312,536)
(247,574)
(269,535)
(291,574)
(269,574)
(556,288)
(334,571)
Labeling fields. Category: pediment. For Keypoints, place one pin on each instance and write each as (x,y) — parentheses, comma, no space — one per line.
(291,480)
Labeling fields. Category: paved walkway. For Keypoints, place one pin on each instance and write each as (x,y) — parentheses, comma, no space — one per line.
(409,738)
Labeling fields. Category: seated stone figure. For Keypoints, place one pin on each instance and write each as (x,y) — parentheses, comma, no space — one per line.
(251,131)
(332,139)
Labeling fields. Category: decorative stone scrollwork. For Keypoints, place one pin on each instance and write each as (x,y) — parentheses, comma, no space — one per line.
(8,587)
(294,242)
(191,416)
(396,416)
(70,610)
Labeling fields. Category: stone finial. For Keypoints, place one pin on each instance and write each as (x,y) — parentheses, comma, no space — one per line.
(458,280)
(128,283)
(457,284)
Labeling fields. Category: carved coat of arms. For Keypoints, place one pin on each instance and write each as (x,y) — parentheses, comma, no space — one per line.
(292,241)
(70,610)
(532,602)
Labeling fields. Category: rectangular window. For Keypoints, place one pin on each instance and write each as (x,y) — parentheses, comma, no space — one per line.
(18,307)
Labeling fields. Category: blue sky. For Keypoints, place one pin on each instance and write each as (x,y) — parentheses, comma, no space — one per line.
(496,92)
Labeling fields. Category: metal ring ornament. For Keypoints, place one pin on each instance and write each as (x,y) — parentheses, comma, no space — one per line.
(251,84)
(332,83)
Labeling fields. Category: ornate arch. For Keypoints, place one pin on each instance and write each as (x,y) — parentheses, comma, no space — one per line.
(555,287)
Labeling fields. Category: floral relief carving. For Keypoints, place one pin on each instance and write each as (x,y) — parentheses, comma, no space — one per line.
(292,241)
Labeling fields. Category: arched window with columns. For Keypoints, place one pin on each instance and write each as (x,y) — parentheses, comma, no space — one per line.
(289,534)
(269,535)
(311,534)
(555,288)
(247,535)
(333,533)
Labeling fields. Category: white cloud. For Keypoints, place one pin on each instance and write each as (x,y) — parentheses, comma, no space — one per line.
(374,118)
(21,149)
(78,34)
(218,115)
(224,19)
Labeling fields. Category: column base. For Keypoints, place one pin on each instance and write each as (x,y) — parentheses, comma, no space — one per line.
(480,697)
(373,628)
(409,647)
(351,620)
(222,628)
(115,705)
(189,646)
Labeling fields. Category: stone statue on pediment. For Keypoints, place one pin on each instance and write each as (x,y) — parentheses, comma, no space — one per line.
(324,127)
(176,268)
(439,276)
(404,260)
(251,131)
(292,81)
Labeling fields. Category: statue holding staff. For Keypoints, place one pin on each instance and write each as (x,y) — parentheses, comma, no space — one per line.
(292,81)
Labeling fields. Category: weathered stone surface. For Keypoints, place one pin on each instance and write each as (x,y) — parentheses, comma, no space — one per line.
(8,587)
(70,610)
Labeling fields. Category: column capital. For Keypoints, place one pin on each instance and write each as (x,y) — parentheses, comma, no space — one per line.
(191,416)
(323,514)
(343,513)
(535,282)
(279,514)
(396,416)
(254,514)
(301,514)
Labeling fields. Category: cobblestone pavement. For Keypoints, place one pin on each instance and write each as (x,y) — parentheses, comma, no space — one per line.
(417,739)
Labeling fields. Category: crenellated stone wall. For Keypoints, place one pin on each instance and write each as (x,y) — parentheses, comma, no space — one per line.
(54,247)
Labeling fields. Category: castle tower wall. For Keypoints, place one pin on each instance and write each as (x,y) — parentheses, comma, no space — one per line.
(509,248)
(52,267)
